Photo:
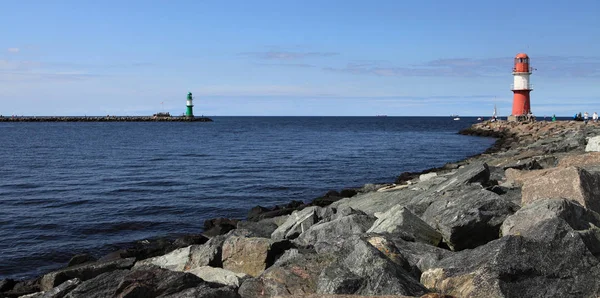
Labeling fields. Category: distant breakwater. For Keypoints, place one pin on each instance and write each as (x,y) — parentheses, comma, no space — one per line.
(103,119)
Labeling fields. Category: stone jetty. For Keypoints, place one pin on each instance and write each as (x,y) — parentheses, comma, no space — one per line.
(103,119)
(519,220)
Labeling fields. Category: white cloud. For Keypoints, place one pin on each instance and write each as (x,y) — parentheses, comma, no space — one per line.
(13,50)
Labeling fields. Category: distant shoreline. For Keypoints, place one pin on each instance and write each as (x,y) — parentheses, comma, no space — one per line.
(102,119)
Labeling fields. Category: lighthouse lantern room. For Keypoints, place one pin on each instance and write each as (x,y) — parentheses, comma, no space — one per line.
(189,110)
(521,109)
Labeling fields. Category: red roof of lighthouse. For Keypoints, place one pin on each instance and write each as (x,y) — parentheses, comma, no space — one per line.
(522,55)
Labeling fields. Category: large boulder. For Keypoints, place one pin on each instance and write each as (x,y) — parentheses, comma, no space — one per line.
(175,260)
(219,275)
(205,291)
(362,269)
(580,160)
(375,201)
(219,226)
(208,254)
(339,228)
(263,228)
(153,281)
(399,220)
(571,183)
(103,285)
(83,272)
(63,289)
(251,255)
(593,144)
(294,276)
(472,173)
(469,218)
(300,221)
(555,264)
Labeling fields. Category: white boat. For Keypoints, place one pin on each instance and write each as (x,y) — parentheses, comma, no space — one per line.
(456,118)
(479,119)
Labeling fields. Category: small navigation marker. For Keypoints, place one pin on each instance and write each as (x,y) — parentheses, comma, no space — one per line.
(189,111)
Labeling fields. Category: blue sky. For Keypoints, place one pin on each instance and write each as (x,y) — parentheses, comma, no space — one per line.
(279,58)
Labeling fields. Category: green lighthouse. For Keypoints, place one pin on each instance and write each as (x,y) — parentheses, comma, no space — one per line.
(189,111)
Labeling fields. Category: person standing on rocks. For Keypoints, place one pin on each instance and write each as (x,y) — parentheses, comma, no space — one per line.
(595,117)
(585,117)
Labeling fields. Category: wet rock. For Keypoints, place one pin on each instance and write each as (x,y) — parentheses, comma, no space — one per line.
(80,259)
(571,183)
(7,284)
(219,226)
(336,230)
(83,272)
(187,240)
(400,220)
(219,275)
(371,272)
(469,218)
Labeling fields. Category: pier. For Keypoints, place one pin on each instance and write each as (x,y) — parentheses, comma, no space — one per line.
(102,119)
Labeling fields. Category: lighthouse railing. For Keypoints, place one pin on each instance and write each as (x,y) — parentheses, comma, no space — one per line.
(521,87)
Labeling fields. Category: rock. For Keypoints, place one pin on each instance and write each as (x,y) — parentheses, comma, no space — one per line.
(419,256)
(208,254)
(175,260)
(21,288)
(337,229)
(367,271)
(7,284)
(469,218)
(556,264)
(145,249)
(472,173)
(571,183)
(400,220)
(580,160)
(296,224)
(204,291)
(297,276)
(348,193)
(593,144)
(372,202)
(63,289)
(263,228)
(83,272)
(80,259)
(251,255)
(427,177)
(191,239)
(103,285)
(219,275)
(153,282)
(219,226)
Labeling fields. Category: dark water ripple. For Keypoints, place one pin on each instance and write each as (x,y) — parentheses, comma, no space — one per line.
(68,188)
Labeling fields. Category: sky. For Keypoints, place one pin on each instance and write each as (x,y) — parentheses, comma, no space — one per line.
(295,58)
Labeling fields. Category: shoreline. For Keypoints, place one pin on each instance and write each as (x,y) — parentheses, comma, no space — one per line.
(427,245)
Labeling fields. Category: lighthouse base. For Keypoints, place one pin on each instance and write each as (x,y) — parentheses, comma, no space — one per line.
(521,118)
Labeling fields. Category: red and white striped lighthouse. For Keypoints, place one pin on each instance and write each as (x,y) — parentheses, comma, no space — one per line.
(521,87)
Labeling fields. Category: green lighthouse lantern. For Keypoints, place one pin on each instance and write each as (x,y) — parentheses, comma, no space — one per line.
(189,111)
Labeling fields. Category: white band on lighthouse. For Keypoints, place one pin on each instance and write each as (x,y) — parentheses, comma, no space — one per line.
(521,82)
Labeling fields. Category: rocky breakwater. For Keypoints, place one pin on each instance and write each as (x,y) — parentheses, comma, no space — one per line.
(103,119)
(520,220)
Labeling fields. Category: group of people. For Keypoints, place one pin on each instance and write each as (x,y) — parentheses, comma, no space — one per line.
(585,117)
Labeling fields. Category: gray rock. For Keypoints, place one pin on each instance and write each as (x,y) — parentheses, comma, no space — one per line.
(297,276)
(207,254)
(204,291)
(219,275)
(419,256)
(103,285)
(593,144)
(80,259)
(175,260)
(339,228)
(251,255)
(469,218)
(371,270)
(373,202)
(553,262)
(428,176)
(7,284)
(296,224)
(400,220)
(63,289)
(83,272)
(263,228)
(153,281)
(472,173)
